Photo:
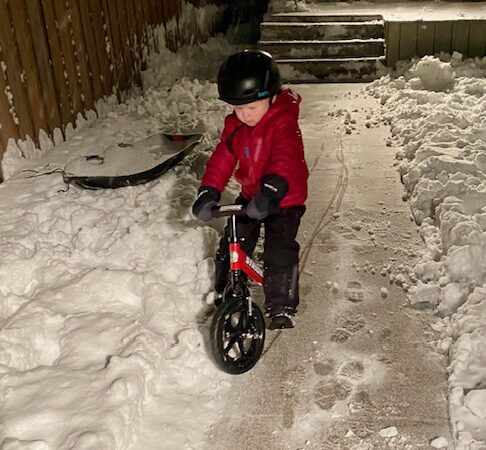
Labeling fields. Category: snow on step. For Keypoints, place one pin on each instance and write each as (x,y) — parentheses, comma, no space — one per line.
(322,49)
(321,30)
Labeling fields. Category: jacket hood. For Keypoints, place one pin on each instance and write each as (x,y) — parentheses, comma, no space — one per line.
(287,102)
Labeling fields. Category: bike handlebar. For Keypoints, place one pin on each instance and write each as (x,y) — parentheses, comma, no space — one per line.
(234,209)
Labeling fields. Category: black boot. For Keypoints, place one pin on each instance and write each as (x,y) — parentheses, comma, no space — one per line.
(281,321)
(281,292)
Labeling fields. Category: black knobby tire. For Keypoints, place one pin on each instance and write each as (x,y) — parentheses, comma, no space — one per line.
(237,339)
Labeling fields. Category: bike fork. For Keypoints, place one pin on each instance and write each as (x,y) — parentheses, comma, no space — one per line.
(239,285)
(236,278)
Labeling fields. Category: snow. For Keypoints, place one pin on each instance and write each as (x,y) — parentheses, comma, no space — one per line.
(102,293)
(388,432)
(392,11)
(439,442)
(436,111)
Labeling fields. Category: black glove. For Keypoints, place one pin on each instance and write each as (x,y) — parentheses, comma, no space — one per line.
(266,202)
(207,197)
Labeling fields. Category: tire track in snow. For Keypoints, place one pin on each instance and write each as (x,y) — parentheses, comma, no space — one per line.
(334,204)
(325,218)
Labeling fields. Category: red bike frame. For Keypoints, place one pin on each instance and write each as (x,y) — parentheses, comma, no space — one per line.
(239,260)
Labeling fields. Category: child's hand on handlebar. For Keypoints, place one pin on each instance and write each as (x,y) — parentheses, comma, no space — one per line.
(266,202)
(207,198)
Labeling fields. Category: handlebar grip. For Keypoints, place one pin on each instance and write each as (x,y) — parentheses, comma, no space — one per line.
(234,209)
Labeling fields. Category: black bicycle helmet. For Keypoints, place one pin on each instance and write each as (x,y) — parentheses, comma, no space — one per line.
(248,76)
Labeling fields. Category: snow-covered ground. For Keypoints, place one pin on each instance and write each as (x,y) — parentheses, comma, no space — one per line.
(102,293)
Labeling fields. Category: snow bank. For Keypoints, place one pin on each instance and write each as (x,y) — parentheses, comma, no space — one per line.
(193,61)
(437,111)
(103,293)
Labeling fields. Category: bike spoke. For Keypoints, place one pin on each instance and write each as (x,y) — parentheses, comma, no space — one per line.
(233,340)
(241,346)
(233,322)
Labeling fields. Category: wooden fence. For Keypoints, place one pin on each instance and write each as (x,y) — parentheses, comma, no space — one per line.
(405,40)
(59,56)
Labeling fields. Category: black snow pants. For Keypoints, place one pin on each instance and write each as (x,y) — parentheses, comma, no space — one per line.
(280,257)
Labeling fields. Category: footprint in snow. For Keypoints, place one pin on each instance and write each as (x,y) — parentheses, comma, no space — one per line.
(336,383)
(354,292)
(347,327)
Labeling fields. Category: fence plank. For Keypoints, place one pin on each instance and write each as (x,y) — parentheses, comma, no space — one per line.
(135,40)
(14,73)
(29,68)
(145,21)
(112,67)
(392,33)
(118,51)
(91,49)
(152,12)
(134,33)
(460,36)
(131,41)
(425,38)
(99,34)
(408,40)
(9,127)
(171,34)
(129,21)
(3,148)
(154,19)
(477,38)
(443,36)
(142,31)
(166,10)
(161,13)
(123,28)
(57,62)
(81,54)
(147,37)
(125,41)
(173,7)
(137,20)
(64,31)
(41,49)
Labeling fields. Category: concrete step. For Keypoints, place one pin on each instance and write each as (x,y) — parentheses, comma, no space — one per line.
(307,17)
(274,31)
(335,70)
(324,49)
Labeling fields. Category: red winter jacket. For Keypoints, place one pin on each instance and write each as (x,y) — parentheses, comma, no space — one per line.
(273,146)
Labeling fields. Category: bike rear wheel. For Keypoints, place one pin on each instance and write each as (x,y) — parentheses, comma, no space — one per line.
(237,339)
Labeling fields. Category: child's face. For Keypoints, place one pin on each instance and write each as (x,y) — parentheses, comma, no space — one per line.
(251,113)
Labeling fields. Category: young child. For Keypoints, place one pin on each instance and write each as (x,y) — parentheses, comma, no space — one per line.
(262,140)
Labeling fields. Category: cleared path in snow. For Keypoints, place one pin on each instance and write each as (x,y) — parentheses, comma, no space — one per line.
(360,361)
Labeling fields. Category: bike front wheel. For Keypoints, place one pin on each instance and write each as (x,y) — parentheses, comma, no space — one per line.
(237,338)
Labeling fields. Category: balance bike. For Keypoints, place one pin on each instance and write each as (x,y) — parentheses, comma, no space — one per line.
(237,329)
